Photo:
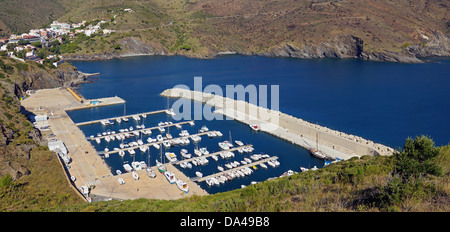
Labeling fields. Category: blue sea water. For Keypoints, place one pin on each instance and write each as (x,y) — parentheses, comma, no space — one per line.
(383,102)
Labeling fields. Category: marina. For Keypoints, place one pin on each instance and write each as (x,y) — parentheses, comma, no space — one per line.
(212,154)
(294,142)
(253,164)
(120,117)
(142,145)
(140,130)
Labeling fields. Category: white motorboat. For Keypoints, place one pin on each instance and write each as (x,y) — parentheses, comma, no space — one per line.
(184,133)
(121,181)
(185,140)
(161,129)
(135,175)
(159,138)
(204,129)
(118,172)
(166,144)
(131,151)
(170,112)
(143,164)
(119,120)
(197,152)
(183,186)
(223,146)
(150,172)
(196,138)
(136,165)
(220,168)
(170,176)
(136,117)
(143,148)
(303,169)
(199,174)
(186,155)
(263,165)
(204,151)
(97,140)
(171,156)
(219,134)
(239,143)
(125,119)
(254,127)
(127,167)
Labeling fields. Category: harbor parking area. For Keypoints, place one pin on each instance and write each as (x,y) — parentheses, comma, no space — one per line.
(87,166)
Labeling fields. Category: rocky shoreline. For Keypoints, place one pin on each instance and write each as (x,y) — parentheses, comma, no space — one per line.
(343,46)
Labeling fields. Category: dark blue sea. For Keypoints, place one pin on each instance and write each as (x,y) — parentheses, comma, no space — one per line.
(383,102)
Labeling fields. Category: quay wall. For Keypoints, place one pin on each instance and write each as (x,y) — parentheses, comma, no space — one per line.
(286,126)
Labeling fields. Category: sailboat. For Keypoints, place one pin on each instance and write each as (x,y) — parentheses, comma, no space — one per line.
(150,172)
(315,152)
(161,167)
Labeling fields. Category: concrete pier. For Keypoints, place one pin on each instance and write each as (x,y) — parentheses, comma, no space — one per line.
(331,142)
(114,118)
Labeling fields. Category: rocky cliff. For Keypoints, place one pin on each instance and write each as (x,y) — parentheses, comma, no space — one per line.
(17,135)
(350,46)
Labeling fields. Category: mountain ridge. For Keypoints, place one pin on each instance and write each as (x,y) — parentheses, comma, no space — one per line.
(382,30)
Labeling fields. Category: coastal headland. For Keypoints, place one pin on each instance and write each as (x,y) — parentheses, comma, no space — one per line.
(331,142)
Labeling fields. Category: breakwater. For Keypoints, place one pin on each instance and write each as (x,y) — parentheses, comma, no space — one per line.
(305,134)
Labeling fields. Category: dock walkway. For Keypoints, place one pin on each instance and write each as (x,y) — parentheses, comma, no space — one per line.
(140,130)
(200,179)
(145,144)
(114,118)
(210,154)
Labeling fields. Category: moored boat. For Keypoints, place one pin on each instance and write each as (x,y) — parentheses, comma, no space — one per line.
(161,167)
(183,186)
(170,176)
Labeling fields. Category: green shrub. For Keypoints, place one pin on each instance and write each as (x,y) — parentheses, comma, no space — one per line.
(6,181)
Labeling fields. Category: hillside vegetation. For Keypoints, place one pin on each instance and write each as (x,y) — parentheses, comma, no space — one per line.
(369,29)
(30,176)
(415,179)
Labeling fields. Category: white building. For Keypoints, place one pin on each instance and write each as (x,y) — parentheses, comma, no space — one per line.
(58,144)
(40,118)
